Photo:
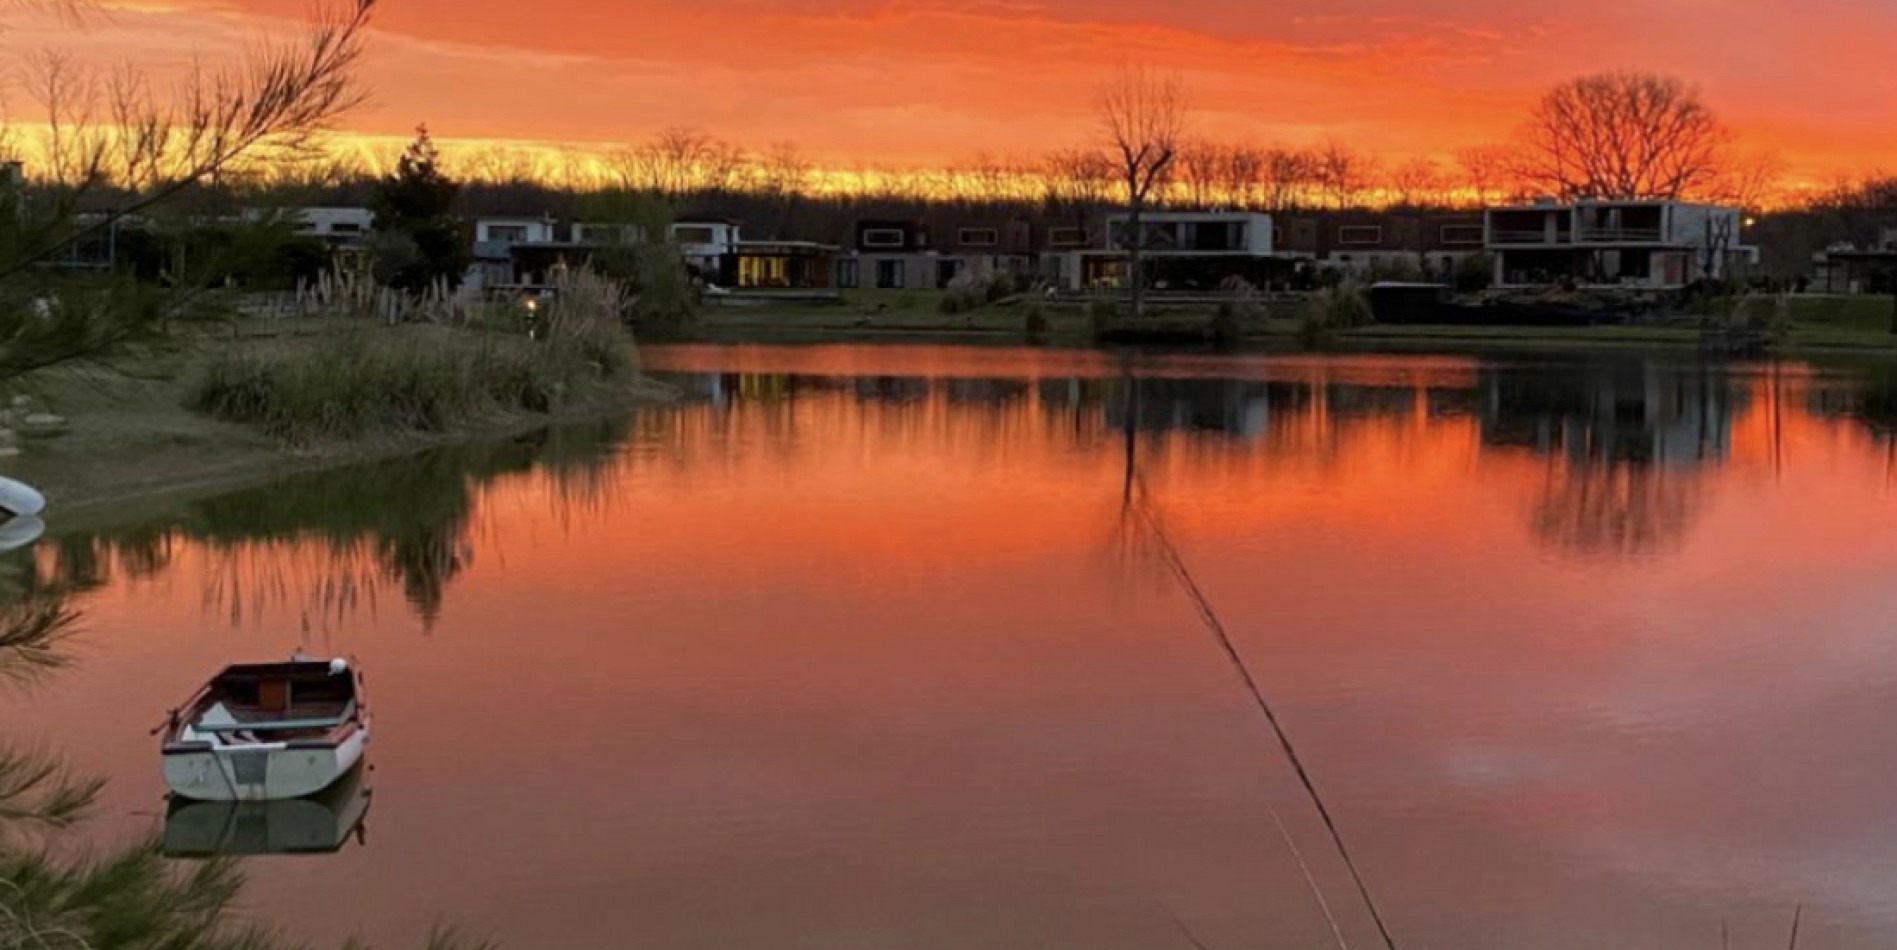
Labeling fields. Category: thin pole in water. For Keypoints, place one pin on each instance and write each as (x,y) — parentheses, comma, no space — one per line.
(1210,618)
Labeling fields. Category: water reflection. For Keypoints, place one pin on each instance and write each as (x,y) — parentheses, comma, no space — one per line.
(1622,440)
(322,824)
(323,546)
(1622,448)
(865,642)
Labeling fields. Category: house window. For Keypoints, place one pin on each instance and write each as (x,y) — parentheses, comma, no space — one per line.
(602,234)
(848,275)
(763,272)
(513,233)
(890,275)
(345,227)
(884,237)
(694,234)
(1067,237)
(1363,234)
(1463,234)
(978,237)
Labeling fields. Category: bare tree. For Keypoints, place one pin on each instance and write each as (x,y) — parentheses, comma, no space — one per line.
(1077,179)
(1487,173)
(1202,172)
(1417,183)
(1289,175)
(1143,119)
(1623,135)
(281,96)
(1342,174)
(784,170)
(1749,181)
(1244,171)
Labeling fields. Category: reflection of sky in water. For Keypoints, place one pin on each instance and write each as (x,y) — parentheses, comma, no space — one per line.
(856,646)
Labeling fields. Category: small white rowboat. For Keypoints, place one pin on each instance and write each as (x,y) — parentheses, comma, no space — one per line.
(267,732)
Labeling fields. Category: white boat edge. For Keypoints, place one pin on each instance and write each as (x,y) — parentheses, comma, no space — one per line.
(291,770)
(20,500)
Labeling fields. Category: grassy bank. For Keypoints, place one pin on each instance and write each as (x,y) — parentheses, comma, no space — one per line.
(286,396)
(1818,325)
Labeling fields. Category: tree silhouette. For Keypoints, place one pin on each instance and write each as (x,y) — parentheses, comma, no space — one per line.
(419,238)
(1624,135)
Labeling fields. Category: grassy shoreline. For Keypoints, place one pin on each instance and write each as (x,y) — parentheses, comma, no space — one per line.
(1819,326)
(133,444)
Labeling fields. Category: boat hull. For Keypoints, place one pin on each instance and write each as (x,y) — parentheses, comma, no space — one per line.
(262,773)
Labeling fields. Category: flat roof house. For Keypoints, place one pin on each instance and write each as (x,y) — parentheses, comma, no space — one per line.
(1183,250)
(495,241)
(337,227)
(703,241)
(891,255)
(1649,245)
(1849,269)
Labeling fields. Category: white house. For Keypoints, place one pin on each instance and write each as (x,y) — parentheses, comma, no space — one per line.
(704,242)
(1652,245)
(1190,248)
(494,243)
(335,225)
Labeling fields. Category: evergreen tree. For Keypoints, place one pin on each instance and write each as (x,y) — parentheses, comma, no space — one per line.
(418,237)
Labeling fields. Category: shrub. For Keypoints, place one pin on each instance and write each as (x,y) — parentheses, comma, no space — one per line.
(1474,273)
(971,292)
(667,295)
(1343,307)
(1036,321)
(376,381)
(1102,316)
(1228,324)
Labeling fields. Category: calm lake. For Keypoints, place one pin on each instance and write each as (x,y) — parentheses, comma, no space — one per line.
(878,647)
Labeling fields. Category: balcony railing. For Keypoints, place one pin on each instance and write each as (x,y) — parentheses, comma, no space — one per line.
(1621,235)
(1537,236)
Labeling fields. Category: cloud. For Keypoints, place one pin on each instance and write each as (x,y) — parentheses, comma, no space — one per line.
(915,81)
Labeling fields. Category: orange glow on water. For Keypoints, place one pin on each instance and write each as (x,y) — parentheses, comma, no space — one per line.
(856,637)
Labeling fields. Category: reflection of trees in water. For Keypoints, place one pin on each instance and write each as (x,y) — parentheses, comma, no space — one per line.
(1617,508)
(1630,410)
(325,543)
(1867,395)
(127,896)
(1628,442)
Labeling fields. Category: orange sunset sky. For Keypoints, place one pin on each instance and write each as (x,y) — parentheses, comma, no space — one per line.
(916,82)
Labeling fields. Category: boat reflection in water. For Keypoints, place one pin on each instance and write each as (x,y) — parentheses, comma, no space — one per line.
(320,824)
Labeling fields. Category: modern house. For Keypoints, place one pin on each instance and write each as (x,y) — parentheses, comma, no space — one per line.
(1650,245)
(1849,269)
(1432,243)
(893,255)
(1183,250)
(704,241)
(336,227)
(985,247)
(495,242)
(777,265)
